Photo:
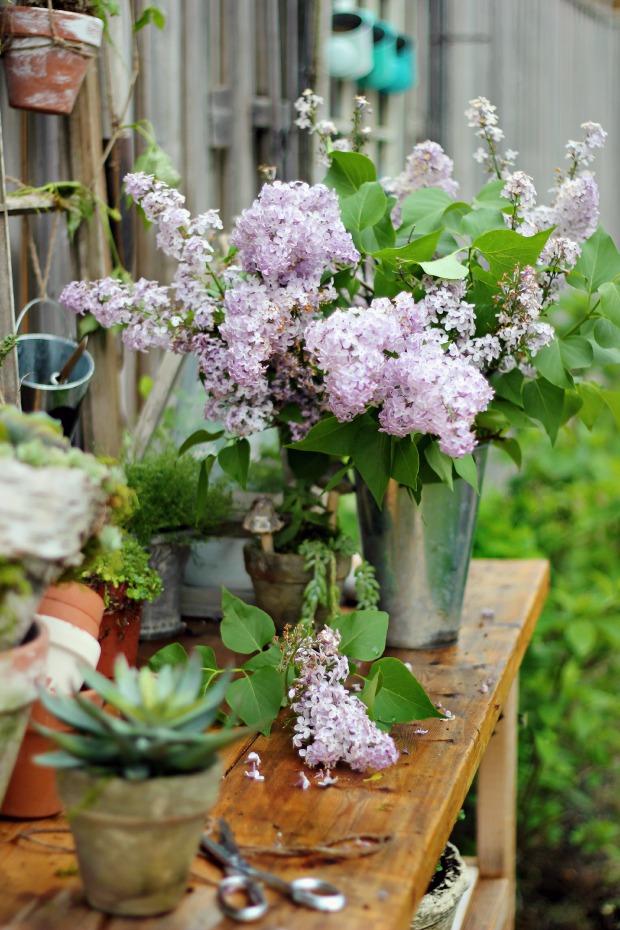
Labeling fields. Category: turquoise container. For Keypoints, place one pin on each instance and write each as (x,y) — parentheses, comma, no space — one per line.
(384,58)
(349,53)
(406,73)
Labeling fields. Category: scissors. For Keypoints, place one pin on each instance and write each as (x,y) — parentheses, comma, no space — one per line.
(242,878)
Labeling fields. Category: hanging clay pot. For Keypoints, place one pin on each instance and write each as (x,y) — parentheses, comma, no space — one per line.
(46,54)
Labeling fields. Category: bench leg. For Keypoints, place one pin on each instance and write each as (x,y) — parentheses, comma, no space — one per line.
(497,798)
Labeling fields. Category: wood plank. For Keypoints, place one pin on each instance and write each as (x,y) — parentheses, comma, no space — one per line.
(490,905)
(9,376)
(414,803)
(21,204)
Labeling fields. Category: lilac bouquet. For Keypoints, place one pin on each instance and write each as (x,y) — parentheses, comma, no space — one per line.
(387,324)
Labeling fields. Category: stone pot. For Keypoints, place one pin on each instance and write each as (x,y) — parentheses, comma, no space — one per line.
(438,906)
(21,670)
(162,617)
(279,580)
(46,54)
(136,841)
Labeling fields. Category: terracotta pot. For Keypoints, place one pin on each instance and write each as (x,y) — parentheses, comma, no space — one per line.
(70,650)
(46,54)
(21,670)
(120,629)
(76,603)
(136,841)
(32,789)
(279,581)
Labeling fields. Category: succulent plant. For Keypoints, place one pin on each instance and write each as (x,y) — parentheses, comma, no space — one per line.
(59,508)
(159,730)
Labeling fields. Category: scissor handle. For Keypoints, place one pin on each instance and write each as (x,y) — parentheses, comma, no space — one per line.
(317,894)
(257,905)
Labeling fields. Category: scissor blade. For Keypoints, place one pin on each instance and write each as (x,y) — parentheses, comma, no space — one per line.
(227,838)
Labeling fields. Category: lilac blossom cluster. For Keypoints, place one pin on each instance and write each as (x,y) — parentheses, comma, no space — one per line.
(426,166)
(244,324)
(390,356)
(332,724)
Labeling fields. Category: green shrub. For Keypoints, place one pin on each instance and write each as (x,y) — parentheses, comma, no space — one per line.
(565,505)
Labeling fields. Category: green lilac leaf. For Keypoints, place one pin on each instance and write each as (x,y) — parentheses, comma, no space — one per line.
(548,361)
(544,402)
(365,207)
(606,334)
(363,634)
(235,460)
(482,221)
(609,292)
(514,414)
(199,437)
(581,636)
(448,267)
(244,628)
(330,436)
(270,656)
(509,386)
(505,248)
(424,209)
(406,463)
(593,402)
(511,447)
(598,263)
(401,698)
(576,352)
(419,250)
(372,455)
(348,171)
(439,462)
(173,654)
(466,468)
(257,698)
(202,492)
(612,399)
(490,195)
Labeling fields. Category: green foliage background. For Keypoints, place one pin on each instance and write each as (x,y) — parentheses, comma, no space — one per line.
(565,505)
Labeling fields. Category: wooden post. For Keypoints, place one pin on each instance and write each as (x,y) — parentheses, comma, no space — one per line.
(496,805)
(102,423)
(9,380)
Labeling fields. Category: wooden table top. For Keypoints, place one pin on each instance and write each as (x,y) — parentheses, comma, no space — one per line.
(412,805)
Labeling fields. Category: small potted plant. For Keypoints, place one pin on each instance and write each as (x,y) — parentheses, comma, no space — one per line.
(447,886)
(137,784)
(167,519)
(125,581)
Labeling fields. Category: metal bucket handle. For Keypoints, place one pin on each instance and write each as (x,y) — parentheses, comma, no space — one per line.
(30,305)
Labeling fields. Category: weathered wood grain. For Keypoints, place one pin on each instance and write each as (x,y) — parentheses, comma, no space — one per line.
(415,802)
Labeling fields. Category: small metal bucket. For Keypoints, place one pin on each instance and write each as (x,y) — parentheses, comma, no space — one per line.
(40,357)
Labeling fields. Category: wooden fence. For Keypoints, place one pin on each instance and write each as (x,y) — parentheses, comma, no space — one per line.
(218,85)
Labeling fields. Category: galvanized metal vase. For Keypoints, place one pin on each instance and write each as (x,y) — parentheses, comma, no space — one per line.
(421,555)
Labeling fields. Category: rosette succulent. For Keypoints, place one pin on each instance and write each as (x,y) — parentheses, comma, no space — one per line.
(156,727)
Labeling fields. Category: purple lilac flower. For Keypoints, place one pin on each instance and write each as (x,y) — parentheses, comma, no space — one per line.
(426,166)
(431,392)
(391,357)
(482,116)
(521,333)
(333,725)
(293,232)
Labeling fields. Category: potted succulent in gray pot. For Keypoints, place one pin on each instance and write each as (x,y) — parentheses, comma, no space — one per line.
(137,783)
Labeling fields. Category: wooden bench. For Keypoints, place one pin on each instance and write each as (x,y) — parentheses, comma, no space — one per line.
(412,805)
